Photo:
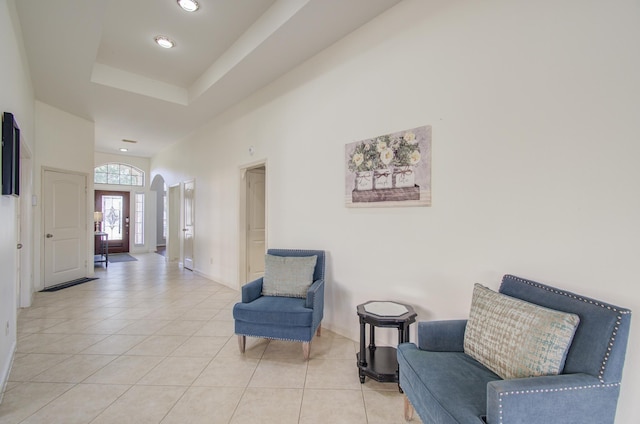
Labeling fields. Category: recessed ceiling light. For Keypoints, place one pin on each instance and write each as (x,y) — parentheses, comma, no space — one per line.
(165,42)
(124,149)
(189,5)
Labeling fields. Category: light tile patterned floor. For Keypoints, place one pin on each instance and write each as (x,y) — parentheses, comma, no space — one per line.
(151,343)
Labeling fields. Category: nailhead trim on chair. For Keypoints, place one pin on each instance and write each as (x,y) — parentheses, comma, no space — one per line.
(592,302)
(559,389)
(272,338)
(573,296)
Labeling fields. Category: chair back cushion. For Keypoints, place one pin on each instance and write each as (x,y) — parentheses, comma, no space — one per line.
(600,341)
(288,276)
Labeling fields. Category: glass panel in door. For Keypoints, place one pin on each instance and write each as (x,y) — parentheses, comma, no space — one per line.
(115,211)
(113,217)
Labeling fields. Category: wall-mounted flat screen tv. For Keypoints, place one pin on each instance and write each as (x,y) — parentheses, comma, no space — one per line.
(10,155)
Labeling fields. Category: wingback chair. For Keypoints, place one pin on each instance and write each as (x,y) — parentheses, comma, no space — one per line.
(287,303)
(447,385)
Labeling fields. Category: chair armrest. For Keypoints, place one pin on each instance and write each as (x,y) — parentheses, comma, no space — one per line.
(315,295)
(315,301)
(251,291)
(576,398)
(442,336)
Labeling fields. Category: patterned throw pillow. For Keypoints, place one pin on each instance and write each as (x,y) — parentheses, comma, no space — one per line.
(517,339)
(288,276)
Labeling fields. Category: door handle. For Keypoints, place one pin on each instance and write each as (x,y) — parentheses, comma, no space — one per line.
(49,235)
(19,246)
(184,229)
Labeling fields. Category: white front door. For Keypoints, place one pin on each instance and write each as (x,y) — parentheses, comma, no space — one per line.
(256,223)
(189,223)
(65,227)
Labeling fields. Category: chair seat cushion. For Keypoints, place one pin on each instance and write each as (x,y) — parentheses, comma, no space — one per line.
(275,310)
(449,387)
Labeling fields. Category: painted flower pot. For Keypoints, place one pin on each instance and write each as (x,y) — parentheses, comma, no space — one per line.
(364,180)
(403,176)
(382,178)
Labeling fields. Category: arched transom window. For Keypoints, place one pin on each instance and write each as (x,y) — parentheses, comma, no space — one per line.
(118,174)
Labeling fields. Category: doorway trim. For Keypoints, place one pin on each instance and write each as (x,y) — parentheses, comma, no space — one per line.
(26,288)
(242,213)
(188,224)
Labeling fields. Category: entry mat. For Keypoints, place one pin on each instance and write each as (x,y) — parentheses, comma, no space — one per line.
(67,284)
(121,257)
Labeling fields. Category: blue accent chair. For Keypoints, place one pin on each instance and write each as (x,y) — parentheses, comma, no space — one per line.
(282,318)
(446,386)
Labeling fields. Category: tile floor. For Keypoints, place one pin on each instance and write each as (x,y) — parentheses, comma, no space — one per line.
(151,343)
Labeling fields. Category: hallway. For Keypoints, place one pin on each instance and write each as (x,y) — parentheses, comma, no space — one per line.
(149,342)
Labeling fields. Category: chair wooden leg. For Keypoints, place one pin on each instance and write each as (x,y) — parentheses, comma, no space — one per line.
(242,342)
(306,350)
(408,409)
(318,331)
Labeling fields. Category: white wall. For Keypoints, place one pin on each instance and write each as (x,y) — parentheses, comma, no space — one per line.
(15,97)
(534,108)
(63,142)
(150,196)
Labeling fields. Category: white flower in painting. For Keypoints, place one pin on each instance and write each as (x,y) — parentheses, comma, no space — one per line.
(381,146)
(410,138)
(367,147)
(415,157)
(386,155)
(357,159)
(369,164)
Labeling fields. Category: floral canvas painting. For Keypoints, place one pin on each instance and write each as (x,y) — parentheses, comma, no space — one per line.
(390,170)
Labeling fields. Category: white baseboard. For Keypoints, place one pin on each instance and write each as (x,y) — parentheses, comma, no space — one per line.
(4,377)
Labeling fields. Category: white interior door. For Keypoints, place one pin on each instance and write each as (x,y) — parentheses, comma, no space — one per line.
(256,222)
(173,226)
(189,223)
(65,227)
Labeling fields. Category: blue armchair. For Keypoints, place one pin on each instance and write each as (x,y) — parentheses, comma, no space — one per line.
(446,385)
(281,317)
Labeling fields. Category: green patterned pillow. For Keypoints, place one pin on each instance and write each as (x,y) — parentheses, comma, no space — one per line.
(517,339)
(288,276)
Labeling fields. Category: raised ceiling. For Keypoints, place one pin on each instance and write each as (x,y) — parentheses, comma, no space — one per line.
(97,59)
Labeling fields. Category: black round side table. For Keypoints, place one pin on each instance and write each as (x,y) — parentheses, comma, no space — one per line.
(381,363)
